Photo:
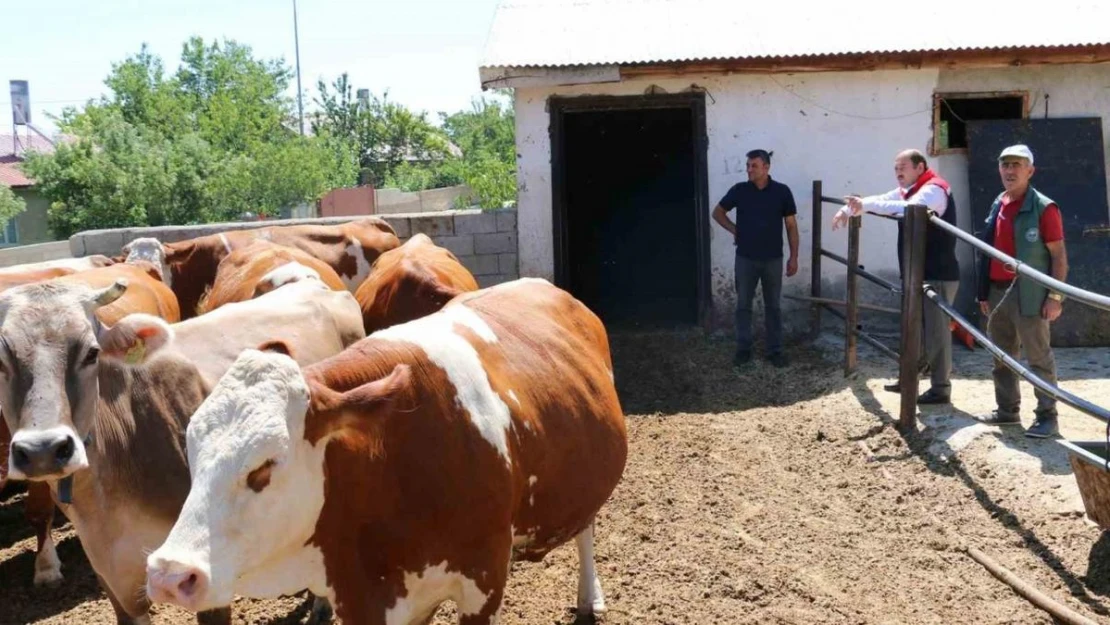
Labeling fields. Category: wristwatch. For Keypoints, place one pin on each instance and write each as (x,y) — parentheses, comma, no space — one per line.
(1056,296)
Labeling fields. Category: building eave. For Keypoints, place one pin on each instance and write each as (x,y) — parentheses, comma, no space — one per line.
(533,76)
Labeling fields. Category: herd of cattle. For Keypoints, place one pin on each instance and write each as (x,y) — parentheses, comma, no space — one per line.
(305,407)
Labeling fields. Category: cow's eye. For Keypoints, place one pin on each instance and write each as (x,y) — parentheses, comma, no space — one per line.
(260,477)
(91,357)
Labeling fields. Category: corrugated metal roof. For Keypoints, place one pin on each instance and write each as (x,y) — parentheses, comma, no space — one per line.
(598,32)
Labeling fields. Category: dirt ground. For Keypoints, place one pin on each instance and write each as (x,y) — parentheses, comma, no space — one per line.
(748,498)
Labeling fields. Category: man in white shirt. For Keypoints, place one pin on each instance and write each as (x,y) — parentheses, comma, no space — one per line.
(917,184)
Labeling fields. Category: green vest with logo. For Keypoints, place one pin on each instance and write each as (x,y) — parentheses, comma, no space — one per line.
(1030,247)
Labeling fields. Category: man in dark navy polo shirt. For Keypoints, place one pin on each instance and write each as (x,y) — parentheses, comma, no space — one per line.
(762,206)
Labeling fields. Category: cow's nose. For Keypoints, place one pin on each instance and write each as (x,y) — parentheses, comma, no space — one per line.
(44,455)
(177,583)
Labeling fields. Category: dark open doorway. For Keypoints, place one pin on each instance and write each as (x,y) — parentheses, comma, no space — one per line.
(630,207)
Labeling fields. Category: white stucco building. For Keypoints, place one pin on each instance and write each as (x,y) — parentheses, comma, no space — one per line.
(633,118)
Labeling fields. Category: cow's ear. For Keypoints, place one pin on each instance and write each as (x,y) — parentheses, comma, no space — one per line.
(135,338)
(358,410)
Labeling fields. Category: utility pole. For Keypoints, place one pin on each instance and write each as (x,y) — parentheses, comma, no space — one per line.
(297,46)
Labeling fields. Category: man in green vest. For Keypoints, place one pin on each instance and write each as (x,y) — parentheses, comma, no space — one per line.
(1026,225)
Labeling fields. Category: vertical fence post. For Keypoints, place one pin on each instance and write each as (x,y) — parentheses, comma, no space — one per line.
(851,296)
(815,262)
(913,276)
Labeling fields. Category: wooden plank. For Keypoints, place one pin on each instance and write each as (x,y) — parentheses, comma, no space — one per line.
(913,280)
(815,261)
(851,317)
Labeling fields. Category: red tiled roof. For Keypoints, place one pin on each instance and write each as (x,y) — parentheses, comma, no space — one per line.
(10,173)
(11,155)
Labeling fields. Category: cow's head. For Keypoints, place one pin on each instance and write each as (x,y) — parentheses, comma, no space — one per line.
(49,361)
(256,455)
(285,274)
(152,251)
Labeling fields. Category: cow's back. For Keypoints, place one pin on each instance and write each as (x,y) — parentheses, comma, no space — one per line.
(411,281)
(350,248)
(314,321)
(144,294)
(239,273)
(69,265)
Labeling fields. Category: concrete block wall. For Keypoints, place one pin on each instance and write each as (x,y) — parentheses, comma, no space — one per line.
(38,253)
(395,201)
(484,241)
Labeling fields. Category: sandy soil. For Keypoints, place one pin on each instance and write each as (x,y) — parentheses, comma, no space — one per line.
(749,498)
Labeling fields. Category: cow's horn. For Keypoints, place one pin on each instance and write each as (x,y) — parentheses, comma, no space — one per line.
(110,294)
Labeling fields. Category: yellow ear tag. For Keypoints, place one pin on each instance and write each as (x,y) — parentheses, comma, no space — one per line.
(136,353)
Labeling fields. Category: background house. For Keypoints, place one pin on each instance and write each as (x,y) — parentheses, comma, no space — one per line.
(633,118)
(29,226)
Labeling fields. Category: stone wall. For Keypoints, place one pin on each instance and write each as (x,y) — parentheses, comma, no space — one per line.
(23,254)
(485,241)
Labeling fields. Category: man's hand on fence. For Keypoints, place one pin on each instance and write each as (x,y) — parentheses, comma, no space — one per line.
(853,206)
(984,307)
(1051,309)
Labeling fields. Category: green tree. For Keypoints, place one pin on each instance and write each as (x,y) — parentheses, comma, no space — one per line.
(211,141)
(11,205)
(486,135)
(388,138)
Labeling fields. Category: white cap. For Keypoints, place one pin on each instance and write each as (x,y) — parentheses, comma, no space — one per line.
(1020,151)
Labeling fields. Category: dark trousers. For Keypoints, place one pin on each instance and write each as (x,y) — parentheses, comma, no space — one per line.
(767,273)
(937,343)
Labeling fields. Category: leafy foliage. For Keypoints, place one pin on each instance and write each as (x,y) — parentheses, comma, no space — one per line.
(11,205)
(208,143)
(399,148)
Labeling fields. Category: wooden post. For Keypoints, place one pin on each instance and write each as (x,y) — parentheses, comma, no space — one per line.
(913,278)
(851,298)
(815,262)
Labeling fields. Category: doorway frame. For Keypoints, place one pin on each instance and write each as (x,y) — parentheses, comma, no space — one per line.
(560,106)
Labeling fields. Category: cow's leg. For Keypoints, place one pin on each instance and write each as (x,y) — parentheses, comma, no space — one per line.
(219,616)
(39,510)
(478,608)
(591,600)
(321,613)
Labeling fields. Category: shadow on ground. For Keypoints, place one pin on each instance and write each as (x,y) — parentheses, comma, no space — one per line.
(691,371)
(949,430)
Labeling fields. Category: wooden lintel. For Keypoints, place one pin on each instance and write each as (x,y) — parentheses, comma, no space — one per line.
(957,59)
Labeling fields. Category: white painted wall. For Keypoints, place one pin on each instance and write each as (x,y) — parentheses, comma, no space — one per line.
(842,128)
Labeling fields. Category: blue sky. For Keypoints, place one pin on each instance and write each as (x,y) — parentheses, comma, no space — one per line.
(425,52)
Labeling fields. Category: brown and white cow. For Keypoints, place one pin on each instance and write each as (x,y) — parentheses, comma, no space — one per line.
(80,411)
(410,282)
(349,248)
(262,267)
(146,295)
(406,470)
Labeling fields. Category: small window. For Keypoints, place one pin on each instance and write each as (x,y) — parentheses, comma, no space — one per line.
(952,111)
